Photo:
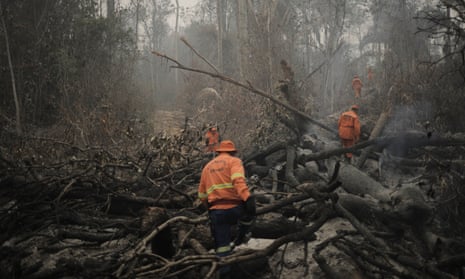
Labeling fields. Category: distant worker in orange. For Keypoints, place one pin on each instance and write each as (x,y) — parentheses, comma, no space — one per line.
(223,190)
(357,86)
(212,139)
(370,74)
(349,129)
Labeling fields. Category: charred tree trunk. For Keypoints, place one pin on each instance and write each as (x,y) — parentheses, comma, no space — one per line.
(404,204)
(383,118)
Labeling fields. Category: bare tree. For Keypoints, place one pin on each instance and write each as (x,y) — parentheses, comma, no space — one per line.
(12,74)
(176,31)
(447,23)
(220,15)
(110,8)
(136,25)
(242,34)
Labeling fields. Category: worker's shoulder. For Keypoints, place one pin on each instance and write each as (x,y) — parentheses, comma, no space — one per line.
(209,164)
(349,112)
(234,159)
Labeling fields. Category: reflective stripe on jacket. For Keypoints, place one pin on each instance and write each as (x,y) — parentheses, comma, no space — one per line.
(349,126)
(222,182)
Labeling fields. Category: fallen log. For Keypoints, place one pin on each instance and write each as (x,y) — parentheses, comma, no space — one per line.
(290,177)
(383,118)
(328,270)
(405,140)
(130,205)
(274,227)
(428,267)
(184,237)
(405,203)
(75,218)
(356,182)
(252,168)
(360,227)
(98,237)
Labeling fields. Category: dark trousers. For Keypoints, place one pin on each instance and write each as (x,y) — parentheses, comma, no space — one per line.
(348,143)
(222,222)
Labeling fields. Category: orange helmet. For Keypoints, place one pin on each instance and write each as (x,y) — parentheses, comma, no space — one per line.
(213,129)
(354,107)
(226,146)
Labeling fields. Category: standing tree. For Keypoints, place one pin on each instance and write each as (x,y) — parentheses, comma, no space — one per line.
(67,61)
(241,19)
(12,74)
(220,18)
(156,30)
(445,26)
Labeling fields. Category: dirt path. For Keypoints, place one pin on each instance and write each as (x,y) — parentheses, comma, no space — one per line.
(169,122)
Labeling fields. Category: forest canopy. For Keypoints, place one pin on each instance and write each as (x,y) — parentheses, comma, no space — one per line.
(63,60)
(104,105)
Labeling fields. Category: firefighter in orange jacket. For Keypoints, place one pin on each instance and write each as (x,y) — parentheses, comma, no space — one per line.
(370,75)
(212,139)
(357,86)
(224,191)
(349,128)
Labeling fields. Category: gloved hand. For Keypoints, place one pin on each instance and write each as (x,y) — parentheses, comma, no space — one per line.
(250,206)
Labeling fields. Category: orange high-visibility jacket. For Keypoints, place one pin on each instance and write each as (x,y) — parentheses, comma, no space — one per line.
(357,83)
(349,126)
(212,140)
(222,183)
